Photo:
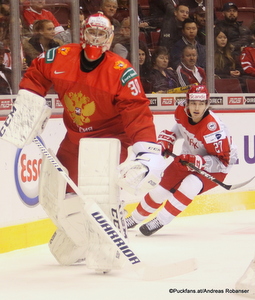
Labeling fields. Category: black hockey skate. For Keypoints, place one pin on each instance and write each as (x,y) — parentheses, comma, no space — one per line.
(151,227)
(131,223)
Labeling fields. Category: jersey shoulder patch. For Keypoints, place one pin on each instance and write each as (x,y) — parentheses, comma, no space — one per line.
(51,54)
(127,75)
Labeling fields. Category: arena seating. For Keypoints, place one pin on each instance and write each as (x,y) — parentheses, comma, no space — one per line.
(228,85)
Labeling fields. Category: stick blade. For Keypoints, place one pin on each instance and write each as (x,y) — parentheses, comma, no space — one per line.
(238,185)
(152,273)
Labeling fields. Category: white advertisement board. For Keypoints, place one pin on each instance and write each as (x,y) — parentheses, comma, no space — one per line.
(20,168)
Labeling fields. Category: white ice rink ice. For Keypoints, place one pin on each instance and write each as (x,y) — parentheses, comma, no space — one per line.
(223,245)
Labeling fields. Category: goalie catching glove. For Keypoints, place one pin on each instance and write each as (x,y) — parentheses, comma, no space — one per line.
(26,120)
(185,159)
(143,168)
(166,139)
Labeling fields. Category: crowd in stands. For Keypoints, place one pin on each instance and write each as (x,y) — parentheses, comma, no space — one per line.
(176,59)
(181,27)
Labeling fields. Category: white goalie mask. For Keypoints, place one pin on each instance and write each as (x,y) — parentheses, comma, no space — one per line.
(98,35)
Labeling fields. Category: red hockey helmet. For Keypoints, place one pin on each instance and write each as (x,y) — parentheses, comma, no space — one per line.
(98,35)
(198,92)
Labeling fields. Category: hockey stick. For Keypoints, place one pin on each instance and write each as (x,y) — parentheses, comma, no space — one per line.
(210,177)
(101,221)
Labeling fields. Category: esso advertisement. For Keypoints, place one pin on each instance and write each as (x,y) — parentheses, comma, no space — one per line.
(27,168)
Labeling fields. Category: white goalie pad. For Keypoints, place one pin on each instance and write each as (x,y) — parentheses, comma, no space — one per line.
(98,162)
(66,211)
(26,120)
(65,250)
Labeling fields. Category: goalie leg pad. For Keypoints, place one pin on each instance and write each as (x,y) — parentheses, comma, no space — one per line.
(65,250)
(66,211)
(26,120)
(98,161)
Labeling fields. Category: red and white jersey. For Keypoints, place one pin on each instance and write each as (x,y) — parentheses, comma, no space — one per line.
(105,102)
(30,16)
(208,138)
(247,59)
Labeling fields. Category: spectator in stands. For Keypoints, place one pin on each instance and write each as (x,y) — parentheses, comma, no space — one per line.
(144,66)
(159,9)
(123,4)
(142,19)
(90,7)
(224,62)
(4,32)
(7,55)
(239,36)
(42,40)
(162,77)
(171,30)
(109,8)
(248,61)
(121,42)
(22,54)
(193,5)
(123,10)
(199,18)
(82,22)
(5,40)
(187,71)
(189,35)
(36,11)
(5,9)
(5,73)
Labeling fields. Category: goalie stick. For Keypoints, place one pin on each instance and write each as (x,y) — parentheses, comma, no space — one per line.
(98,217)
(210,177)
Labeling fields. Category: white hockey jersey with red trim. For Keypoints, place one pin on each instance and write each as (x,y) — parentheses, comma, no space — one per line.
(208,138)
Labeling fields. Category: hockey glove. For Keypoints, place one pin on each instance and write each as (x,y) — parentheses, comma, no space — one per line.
(143,168)
(166,139)
(27,119)
(185,159)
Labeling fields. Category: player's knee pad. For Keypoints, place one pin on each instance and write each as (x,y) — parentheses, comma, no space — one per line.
(160,194)
(191,186)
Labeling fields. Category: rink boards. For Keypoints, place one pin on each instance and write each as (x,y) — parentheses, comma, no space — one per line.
(23,223)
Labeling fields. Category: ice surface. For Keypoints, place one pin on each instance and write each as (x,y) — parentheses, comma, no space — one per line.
(223,245)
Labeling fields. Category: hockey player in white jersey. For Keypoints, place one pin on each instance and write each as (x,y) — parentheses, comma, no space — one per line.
(206,144)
